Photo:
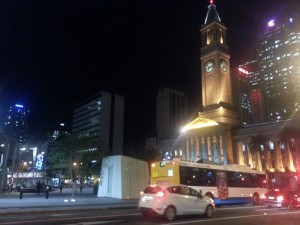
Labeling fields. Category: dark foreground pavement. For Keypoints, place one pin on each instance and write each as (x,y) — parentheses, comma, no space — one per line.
(11,202)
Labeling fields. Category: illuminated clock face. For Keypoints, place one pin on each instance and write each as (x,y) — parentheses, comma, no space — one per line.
(209,66)
(223,66)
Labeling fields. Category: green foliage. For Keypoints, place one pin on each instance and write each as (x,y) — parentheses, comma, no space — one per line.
(76,156)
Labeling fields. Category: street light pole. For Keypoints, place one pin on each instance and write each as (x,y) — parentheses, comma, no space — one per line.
(4,173)
(18,169)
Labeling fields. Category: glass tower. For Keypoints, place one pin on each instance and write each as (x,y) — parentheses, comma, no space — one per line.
(16,123)
(279,68)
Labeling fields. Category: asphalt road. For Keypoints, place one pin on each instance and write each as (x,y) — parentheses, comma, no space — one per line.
(229,215)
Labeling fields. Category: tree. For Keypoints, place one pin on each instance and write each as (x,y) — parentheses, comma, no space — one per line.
(76,157)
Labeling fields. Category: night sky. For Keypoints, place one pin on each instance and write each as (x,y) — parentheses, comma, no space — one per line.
(54,54)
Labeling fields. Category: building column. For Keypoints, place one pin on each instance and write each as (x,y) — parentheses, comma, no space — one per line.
(209,148)
(258,163)
(229,147)
(224,148)
(240,156)
(217,154)
(188,145)
(278,157)
(221,148)
(204,147)
(291,162)
(198,155)
(193,150)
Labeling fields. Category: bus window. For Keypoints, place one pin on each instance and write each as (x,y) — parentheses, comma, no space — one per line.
(197,176)
(238,179)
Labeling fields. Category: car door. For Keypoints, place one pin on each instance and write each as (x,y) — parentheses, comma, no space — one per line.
(177,199)
(196,202)
(183,200)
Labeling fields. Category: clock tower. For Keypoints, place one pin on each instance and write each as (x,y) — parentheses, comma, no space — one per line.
(209,136)
(217,99)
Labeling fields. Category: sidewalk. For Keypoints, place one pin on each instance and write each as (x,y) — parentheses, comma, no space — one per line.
(11,202)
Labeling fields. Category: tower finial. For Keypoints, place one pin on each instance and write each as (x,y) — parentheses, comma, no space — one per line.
(212,14)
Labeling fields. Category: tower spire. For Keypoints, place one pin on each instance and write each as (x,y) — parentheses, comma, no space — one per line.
(212,14)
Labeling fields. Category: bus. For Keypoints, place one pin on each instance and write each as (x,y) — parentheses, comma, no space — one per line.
(226,184)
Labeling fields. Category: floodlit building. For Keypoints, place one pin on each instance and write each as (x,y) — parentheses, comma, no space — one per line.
(209,136)
(232,131)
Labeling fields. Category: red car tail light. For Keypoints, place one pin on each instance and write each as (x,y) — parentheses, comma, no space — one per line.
(280,198)
(263,196)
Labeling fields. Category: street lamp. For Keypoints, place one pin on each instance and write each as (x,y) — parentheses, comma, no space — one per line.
(74,179)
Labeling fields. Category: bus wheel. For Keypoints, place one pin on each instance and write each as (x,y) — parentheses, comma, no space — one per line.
(170,213)
(255,199)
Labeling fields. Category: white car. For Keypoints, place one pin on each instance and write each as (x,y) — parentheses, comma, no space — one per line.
(172,200)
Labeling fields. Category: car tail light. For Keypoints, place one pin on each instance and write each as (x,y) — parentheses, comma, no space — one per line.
(160,194)
(263,196)
(280,198)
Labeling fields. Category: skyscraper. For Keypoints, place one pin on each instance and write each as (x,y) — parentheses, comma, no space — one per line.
(171,112)
(101,117)
(249,94)
(15,126)
(279,68)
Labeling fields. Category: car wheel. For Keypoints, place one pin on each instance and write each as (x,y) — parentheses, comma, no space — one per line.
(209,211)
(255,199)
(170,213)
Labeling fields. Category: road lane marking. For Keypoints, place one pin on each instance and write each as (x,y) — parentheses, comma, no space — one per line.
(229,218)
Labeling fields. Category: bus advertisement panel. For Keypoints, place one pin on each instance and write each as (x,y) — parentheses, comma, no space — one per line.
(226,184)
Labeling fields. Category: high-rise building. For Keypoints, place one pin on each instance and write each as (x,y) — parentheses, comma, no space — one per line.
(101,117)
(171,112)
(279,68)
(250,98)
(15,126)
